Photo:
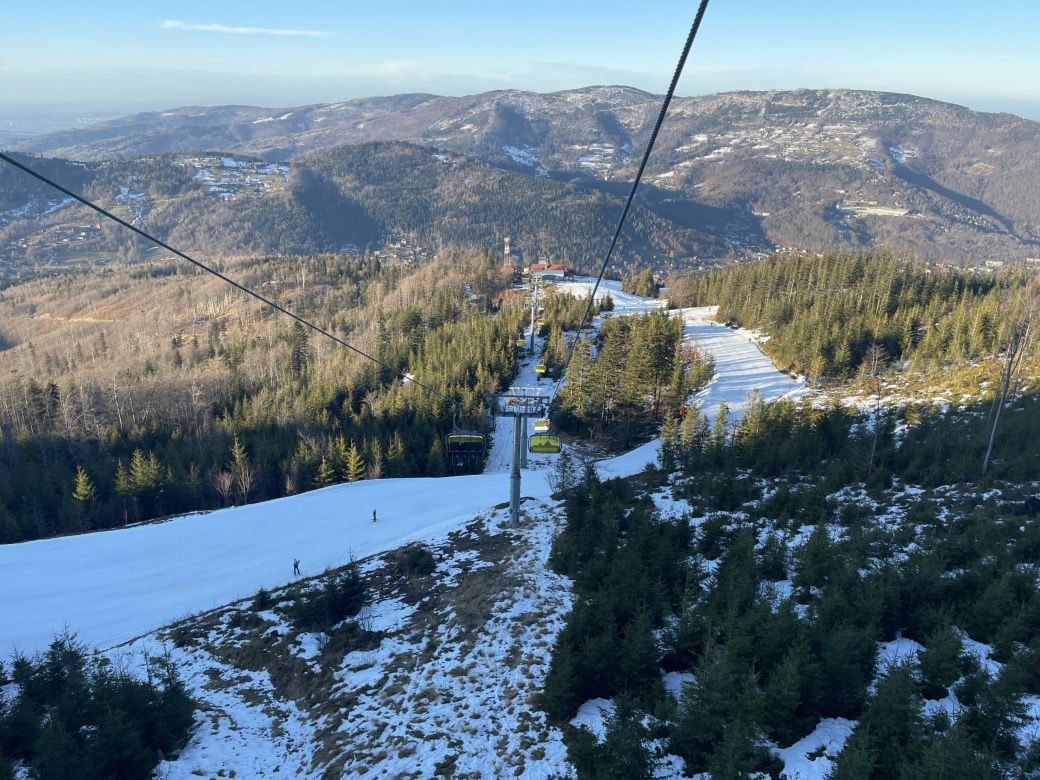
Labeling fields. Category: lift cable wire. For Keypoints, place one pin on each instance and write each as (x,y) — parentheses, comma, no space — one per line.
(635,184)
(219,275)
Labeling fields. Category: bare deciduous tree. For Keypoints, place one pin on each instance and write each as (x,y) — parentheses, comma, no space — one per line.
(224,483)
(874,364)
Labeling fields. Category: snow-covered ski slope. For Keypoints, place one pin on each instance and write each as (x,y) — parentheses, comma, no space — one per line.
(624,303)
(112,586)
(740,368)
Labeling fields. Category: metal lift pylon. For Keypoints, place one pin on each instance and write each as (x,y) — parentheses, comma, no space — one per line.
(520,403)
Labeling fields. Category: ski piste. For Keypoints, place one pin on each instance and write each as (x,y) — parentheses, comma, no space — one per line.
(109,587)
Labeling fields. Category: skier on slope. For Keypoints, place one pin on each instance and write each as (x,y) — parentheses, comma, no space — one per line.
(373,515)
(296,567)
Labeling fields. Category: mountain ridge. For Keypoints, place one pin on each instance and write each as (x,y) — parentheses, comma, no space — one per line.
(807,169)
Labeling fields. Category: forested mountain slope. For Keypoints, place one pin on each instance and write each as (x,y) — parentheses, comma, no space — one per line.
(135,393)
(343,199)
(810,169)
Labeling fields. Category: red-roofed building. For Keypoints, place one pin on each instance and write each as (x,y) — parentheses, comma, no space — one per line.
(548,272)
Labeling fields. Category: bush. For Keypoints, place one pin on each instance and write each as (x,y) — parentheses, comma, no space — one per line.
(340,597)
(417,562)
(262,600)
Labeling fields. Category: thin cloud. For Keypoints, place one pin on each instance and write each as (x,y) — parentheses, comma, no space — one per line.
(176,24)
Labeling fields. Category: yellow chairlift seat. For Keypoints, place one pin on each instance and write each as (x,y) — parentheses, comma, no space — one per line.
(541,426)
(540,369)
(521,343)
(464,450)
(541,323)
(465,439)
(544,443)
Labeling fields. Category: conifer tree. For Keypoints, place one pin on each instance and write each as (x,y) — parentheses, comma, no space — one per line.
(299,353)
(395,466)
(890,731)
(736,754)
(435,459)
(574,395)
(354,468)
(375,459)
(669,444)
(564,475)
(788,700)
(940,662)
(122,484)
(720,429)
(325,474)
(84,491)
(625,751)
(705,707)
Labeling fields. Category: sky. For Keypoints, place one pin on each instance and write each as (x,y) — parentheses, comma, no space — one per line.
(73,59)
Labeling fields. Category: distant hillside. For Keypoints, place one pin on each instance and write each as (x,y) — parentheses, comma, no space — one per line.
(809,169)
(343,199)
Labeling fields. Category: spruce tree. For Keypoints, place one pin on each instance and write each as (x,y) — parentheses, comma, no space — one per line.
(705,706)
(737,755)
(788,712)
(84,491)
(325,475)
(375,459)
(395,465)
(435,466)
(354,469)
(122,485)
(891,731)
(940,662)
(625,751)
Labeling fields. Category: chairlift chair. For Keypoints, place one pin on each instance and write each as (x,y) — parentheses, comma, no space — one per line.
(544,444)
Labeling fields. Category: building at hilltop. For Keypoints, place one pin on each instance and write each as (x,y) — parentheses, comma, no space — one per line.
(547,272)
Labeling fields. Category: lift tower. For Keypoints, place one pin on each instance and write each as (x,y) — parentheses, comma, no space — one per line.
(520,403)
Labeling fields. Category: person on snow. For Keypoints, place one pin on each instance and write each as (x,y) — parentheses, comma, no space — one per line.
(373,515)
(296,567)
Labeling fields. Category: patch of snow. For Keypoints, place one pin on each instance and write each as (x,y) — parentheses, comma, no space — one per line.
(829,734)
(60,205)
(674,681)
(593,715)
(896,652)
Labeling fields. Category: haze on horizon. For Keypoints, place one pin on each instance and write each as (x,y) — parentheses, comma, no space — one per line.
(70,60)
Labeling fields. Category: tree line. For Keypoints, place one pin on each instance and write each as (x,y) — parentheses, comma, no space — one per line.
(824,313)
(244,407)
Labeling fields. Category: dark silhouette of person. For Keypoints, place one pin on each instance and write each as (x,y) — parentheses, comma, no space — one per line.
(296,566)
(373,515)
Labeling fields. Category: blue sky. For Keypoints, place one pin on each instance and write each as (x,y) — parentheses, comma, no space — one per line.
(121,56)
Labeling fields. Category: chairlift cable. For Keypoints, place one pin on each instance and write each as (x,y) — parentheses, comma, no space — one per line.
(632,192)
(218,274)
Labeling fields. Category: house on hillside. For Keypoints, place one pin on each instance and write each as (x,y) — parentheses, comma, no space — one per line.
(511,274)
